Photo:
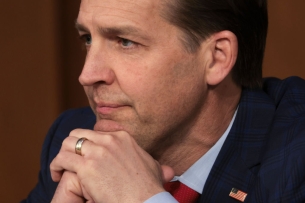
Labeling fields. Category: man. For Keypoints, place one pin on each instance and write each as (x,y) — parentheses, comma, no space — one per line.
(175,92)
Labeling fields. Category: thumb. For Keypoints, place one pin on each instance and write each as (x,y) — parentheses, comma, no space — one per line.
(168,173)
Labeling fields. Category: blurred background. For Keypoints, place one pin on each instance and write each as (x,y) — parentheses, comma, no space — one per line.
(41,58)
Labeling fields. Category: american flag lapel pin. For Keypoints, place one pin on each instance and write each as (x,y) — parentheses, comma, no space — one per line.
(237,194)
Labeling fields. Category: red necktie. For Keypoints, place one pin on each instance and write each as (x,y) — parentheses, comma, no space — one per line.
(181,192)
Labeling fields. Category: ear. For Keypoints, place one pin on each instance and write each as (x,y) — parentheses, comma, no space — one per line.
(224,48)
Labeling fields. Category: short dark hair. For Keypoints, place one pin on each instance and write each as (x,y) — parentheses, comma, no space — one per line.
(247,19)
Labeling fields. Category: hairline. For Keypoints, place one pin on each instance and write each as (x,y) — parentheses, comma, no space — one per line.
(189,40)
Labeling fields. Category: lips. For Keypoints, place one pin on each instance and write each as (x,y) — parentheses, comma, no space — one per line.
(106,109)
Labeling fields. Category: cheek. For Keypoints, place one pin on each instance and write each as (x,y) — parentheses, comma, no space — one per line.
(89,92)
(164,88)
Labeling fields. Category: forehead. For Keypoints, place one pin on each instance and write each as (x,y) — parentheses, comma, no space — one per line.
(118,3)
(143,9)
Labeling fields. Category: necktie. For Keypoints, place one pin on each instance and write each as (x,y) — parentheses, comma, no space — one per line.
(181,192)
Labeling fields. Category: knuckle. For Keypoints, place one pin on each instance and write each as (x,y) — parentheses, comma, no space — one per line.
(128,138)
(65,142)
(60,156)
(101,152)
(95,153)
(89,154)
(75,132)
(123,134)
(124,137)
(109,140)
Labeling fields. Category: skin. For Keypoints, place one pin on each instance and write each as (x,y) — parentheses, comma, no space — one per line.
(135,76)
(158,108)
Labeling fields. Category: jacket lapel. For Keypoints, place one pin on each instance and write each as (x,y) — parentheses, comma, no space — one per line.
(239,159)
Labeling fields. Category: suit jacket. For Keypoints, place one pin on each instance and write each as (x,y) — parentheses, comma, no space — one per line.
(263,155)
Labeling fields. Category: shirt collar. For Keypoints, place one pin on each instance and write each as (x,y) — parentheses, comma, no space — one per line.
(196,176)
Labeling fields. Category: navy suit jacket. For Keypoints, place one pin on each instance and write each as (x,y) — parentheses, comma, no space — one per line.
(263,155)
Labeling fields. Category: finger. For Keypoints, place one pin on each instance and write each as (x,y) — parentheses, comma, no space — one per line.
(109,142)
(65,161)
(98,137)
(70,142)
(68,190)
(70,161)
(168,173)
(89,149)
(91,135)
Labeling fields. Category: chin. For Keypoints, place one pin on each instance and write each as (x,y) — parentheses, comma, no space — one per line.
(105,125)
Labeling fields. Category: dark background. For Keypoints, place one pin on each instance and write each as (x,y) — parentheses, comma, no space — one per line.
(41,58)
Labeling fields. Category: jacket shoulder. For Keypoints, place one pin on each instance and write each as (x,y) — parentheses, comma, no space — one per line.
(281,174)
(285,92)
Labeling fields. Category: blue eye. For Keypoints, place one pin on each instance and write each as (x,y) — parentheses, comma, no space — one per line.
(126,42)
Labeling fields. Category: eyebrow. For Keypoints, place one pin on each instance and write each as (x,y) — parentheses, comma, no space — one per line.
(80,27)
(118,30)
(112,31)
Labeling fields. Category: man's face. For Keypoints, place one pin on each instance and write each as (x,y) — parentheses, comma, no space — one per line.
(138,76)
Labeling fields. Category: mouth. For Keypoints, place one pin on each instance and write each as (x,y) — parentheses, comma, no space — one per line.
(108,108)
(109,116)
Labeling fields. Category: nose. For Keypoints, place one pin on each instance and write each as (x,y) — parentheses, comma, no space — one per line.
(96,69)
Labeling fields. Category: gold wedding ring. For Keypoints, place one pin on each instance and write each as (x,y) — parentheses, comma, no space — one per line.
(78,146)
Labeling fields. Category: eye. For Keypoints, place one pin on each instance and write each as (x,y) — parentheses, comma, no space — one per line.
(87,39)
(125,43)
